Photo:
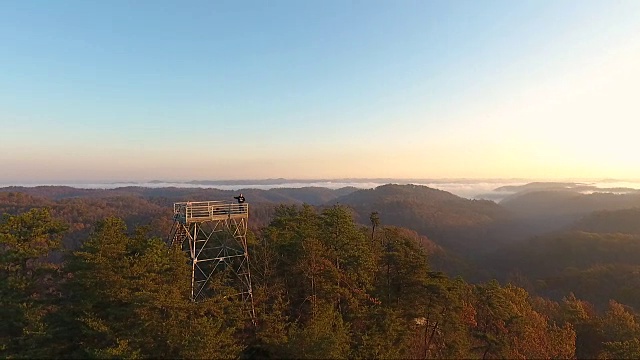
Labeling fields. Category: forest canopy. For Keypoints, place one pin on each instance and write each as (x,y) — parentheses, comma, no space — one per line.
(326,284)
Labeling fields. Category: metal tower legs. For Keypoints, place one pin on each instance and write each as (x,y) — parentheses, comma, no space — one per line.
(219,258)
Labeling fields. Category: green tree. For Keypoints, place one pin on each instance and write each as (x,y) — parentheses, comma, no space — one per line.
(446,319)
(405,272)
(354,259)
(382,334)
(321,264)
(28,281)
(325,336)
(129,297)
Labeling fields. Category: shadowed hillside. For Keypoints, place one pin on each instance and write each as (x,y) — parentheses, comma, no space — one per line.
(618,221)
(445,218)
(596,267)
(545,211)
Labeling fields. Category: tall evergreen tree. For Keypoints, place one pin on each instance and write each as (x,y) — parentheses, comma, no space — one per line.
(28,281)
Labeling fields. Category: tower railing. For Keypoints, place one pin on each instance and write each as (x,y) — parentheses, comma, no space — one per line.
(198,211)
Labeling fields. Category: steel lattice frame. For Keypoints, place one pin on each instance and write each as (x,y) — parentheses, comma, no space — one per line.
(214,236)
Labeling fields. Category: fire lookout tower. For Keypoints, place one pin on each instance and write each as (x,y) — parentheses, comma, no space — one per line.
(214,236)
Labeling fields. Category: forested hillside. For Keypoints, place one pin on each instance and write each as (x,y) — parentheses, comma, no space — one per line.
(552,210)
(597,258)
(625,221)
(452,221)
(309,195)
(87,273)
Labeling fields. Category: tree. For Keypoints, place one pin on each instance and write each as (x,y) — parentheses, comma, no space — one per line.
(508,327)
(129,297)
(324,267)
(620,332)
(405,271)
(375,222)
(353,257)
(325,336)
(629,349)
(28,280)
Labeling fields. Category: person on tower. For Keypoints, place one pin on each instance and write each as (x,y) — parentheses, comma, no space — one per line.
(240,198)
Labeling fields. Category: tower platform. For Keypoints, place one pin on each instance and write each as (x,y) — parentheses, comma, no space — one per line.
(201,211)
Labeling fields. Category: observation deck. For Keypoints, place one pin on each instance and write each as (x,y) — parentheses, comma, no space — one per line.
(201,211)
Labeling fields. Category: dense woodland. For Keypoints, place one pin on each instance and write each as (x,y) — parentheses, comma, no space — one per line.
(400,271)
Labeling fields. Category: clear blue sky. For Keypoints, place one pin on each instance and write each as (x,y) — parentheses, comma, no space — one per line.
(140,90)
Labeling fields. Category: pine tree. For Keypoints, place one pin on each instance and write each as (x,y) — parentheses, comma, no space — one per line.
(28,281)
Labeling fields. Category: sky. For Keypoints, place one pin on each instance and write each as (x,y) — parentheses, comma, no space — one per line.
(181,90)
